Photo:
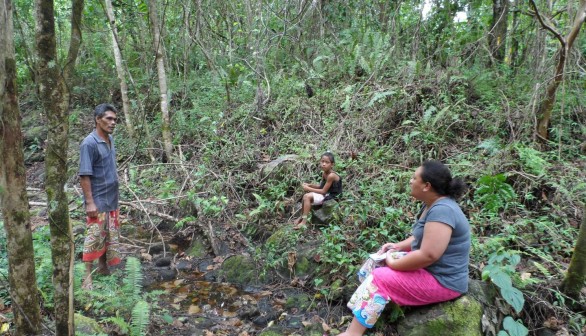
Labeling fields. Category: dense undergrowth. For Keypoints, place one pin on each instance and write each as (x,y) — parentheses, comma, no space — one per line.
(381,113)
(524,201)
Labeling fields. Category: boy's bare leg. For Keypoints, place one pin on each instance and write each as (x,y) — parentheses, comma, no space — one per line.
(307,200)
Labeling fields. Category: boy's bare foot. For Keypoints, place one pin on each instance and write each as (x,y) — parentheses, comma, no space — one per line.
(298,221)
(301,225)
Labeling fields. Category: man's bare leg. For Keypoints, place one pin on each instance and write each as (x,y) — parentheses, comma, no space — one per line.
(87,280)
(103,265)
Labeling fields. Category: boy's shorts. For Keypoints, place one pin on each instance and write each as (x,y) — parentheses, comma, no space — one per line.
(318,198)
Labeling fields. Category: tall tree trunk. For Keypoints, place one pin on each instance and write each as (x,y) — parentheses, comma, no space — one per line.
(514,36)
(162,74)
(546,106)
(120,70)
(575,278)
(13,197)
(54,95)
(497,36)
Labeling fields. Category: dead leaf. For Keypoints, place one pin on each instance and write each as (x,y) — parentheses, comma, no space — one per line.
(178,282)
(306,324)
(179,298)
(525,276)
(176,306)
(317,258)
(177,324)
(193,309)
(229,314)
(325,327)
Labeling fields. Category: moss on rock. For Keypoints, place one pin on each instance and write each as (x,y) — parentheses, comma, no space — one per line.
(239,270)
(87,326)
(300,301)
(197,249)
(459,317)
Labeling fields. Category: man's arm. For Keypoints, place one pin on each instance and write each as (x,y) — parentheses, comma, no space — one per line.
(86,186)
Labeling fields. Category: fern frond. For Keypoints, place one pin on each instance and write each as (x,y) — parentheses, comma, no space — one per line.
(120,323)
(133,280)
(140,318)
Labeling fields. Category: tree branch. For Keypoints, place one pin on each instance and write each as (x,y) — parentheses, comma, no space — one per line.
(546,25)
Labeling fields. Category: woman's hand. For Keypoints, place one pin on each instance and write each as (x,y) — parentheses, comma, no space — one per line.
(305,186)
(387,247)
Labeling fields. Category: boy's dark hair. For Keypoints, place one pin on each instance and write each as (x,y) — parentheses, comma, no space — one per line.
(440,178)
(330,156)
(101,109)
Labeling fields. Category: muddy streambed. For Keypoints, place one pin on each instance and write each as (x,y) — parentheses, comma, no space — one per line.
(196,300)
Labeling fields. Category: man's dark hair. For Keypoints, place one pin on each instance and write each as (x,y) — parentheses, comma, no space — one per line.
(101,109)
(330,156)
(440,178)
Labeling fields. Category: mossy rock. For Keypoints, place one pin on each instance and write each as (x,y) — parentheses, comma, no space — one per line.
(325,213)
(87,326)
(197,249)
(279,236)
(461,317)
(300,301)
(239,270)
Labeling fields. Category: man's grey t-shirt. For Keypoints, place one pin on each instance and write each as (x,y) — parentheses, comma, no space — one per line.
(451,270)
(98,161)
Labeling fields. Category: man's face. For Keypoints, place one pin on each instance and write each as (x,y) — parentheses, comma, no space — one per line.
(107,123)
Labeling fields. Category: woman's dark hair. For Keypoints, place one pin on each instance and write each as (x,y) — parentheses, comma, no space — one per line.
(440,178)
(329,155)
(101,109)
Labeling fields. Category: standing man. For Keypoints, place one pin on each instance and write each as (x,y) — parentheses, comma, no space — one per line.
(99,183)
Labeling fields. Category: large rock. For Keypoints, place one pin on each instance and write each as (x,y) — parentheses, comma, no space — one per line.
(465,316)
(278,167)
(460,317)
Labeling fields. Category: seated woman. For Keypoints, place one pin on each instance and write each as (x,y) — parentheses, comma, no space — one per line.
(435,269)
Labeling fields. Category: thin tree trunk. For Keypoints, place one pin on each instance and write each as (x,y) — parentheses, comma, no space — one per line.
(13,197)
(576,276)
(120,70)
(497,36)
(546,106)
(161,73)
(54,96)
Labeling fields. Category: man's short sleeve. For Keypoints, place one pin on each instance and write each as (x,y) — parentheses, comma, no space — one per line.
(85,159)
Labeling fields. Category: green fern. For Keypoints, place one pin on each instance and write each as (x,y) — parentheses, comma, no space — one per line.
(119,322)
(532,160)
(140,318)
(133,280)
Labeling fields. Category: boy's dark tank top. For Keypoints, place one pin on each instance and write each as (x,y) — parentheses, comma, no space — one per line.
(335,188)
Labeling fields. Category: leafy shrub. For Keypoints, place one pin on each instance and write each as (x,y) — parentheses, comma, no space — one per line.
(494,193)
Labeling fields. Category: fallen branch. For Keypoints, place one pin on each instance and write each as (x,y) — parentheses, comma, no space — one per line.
(150,212)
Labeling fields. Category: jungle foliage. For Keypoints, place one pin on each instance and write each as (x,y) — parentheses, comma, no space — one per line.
(382,84)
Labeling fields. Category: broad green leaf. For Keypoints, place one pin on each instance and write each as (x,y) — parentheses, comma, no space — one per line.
(514,297)
(514,328)
(501,279)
